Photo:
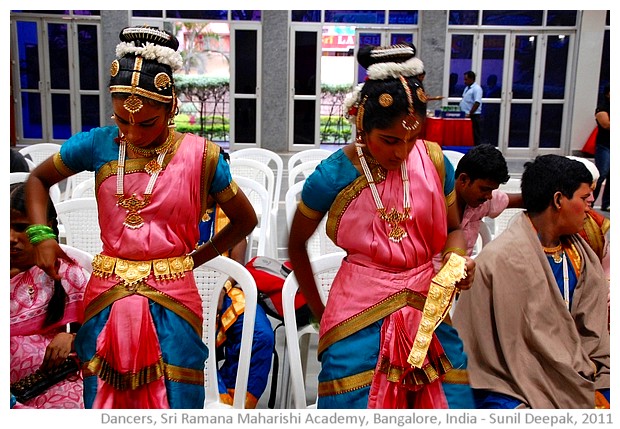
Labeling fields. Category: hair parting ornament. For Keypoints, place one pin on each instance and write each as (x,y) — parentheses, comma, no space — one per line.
(150,44)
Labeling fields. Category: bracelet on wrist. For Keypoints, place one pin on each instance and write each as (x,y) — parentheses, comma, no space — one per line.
(459,251)
(38,233)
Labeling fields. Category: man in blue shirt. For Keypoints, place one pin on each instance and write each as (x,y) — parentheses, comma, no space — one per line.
(471,103)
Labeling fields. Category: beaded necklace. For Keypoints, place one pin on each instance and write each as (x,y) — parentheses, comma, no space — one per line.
(393,218)
(133,205)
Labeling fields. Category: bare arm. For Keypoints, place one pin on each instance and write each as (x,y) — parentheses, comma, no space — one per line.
(242,218)
(301,230)
(602,118)
(37,188)
(515,201)
(456,240)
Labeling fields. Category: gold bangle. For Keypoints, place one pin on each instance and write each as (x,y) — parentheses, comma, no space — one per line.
(214,248)
(459,251)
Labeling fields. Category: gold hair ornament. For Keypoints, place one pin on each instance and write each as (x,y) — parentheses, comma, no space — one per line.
(385,100)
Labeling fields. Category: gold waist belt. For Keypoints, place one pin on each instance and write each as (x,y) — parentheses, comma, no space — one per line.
(132,272)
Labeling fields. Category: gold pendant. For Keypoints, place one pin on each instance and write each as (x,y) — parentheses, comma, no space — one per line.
(394,219)
(152,167)
(133,205)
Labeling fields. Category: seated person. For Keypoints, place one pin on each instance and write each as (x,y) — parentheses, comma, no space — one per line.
(230,321)
(534,324)
(41,310)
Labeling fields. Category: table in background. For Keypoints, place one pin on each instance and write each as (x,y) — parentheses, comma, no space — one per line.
(449,131)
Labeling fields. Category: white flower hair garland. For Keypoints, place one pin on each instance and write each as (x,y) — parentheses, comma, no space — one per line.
(161,54)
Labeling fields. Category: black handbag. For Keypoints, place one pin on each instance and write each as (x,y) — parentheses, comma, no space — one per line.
(39,381)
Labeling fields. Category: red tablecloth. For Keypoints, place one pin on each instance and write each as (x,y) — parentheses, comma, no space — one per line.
(449,131)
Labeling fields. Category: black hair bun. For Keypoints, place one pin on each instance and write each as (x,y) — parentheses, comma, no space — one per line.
(369,55)
(143,34)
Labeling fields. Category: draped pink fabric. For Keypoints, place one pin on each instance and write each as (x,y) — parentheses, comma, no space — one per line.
(30,295)
(376,268)
(129,342)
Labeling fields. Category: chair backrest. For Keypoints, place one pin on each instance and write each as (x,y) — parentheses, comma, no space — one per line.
(453,156)
(261,201)
(210,278)
(84,259)
(504,220)
(484,237)
(257,171)
(85,188)
(75,180)
(80,221)
(324,269)
(301,171)
(318,243)
(22,176)
(39,152)
(271,159)
(307,155)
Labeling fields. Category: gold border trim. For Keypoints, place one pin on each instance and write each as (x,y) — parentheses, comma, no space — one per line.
(456,376)
(346,384)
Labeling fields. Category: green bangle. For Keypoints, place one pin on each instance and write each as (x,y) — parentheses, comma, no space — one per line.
(39,233)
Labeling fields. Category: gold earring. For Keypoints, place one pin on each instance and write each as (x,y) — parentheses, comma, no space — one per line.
(171,123)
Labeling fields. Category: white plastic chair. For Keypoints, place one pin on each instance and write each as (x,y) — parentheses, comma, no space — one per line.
(504,220)
(319,243)
(84,259)
(260,200)
(301,171)
(324,269)
(484,237)
(85,188)
(454,156)
(39,152)
(210,278)
(75,180)
(307,155)
(263,174)
(275,162)
(80,221)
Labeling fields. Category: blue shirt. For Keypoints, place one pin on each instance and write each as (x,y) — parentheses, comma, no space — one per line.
(471,95)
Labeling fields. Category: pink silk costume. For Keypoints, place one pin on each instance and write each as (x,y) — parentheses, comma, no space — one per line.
(395,276)
(128,359)
(31,292)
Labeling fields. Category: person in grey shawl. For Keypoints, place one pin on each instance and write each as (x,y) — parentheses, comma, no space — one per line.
(534,324)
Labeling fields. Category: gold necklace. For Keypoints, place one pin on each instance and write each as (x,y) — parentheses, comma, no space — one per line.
(555,252)
(394,218)
(133,205)
(150,152)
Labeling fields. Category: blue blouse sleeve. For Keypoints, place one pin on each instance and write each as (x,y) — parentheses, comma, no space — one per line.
(325,183)
(89,150)
(222,176)
(448,185)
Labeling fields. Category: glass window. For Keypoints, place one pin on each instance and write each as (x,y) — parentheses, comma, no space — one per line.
(28,47)
(304,122)
(306,16)
(523,66)
(61,116)
(512,17)
(561,18)
(356,16)
(556,64)
(58,56)
(147,13)
(31,116)
(305,63)
(463,17)
(604,74)
(550,136)
(245,15)
(90,112)
(409,17)
(89,57)
(460,62)
(520,119)
(198,14)
(246,55)
(245,120)
(396,38)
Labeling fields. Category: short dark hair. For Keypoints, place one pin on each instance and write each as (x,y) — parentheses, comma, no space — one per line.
(485,162)
(470,74)
(549,174)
